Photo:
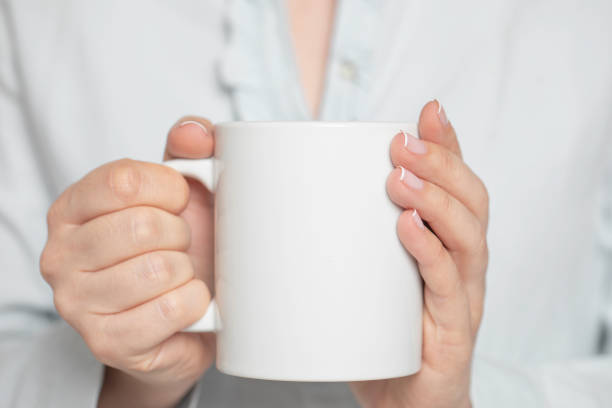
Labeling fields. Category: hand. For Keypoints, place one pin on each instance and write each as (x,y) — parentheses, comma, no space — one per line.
(432,180)
(128,272)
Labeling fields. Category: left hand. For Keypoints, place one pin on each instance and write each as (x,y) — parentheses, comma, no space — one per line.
(432,180)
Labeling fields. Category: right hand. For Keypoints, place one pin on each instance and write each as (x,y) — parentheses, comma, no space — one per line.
(129,273)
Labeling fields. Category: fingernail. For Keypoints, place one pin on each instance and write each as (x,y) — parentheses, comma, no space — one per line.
(442,114)
(193,122)
(409,179)
(413,144)
(417,219)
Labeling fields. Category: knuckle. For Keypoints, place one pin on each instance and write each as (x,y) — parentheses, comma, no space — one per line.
(178,185)
(445,203)
(447,161)
(477,245)
(181,195)
(124,180)
(62,204)
(438,254)
(203,293)
(436,161)
(64,304)
(53,213)
(485,195)
(148,364)
(151,362)
(169,307)
(477,307)
(50,261)
(184,231)
(448,286)
(455,339)
(102,349)
(189,363)
(434,256)
(157,268)
(475,242)
(482,248)
(182,264)
(146,226)
(100,341)
(163,267)
(186,366)
(484,201)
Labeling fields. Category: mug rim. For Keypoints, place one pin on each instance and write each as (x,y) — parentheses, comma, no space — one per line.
(310,123)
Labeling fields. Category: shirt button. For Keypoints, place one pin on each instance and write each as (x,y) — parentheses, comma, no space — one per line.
(348,70)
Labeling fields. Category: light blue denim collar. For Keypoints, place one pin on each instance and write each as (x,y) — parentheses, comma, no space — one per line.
(258,68)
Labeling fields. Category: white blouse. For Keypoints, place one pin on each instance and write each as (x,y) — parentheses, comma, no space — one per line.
(528,86)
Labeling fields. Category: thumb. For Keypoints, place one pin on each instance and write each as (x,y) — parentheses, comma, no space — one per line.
(191,137)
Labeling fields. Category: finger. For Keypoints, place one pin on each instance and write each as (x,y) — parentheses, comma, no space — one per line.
(116,237)
(435,127)
(185,355)
(117,185)
(191,137)
(437,164)
(457,227)
(199,212)
(445,297)
(133,282)
(135,332)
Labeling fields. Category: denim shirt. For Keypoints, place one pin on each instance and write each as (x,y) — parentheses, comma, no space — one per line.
(258,66)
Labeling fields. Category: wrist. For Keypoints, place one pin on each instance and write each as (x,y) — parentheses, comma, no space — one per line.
(120,389)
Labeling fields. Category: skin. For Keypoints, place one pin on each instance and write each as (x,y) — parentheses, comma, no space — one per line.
(129,257)
(128,273)
(311,28)
(452,258)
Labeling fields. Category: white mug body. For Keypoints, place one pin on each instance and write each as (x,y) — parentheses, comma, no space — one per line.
(311,280)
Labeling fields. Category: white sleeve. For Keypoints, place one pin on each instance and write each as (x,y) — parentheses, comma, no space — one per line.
(585,383)
(43,362)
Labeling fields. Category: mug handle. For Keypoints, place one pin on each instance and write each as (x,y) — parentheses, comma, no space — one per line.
(203,171)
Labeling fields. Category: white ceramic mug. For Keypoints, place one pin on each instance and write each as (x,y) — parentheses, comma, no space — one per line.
(311,280)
